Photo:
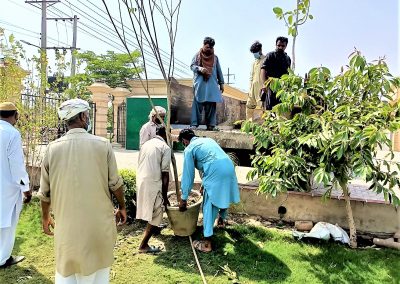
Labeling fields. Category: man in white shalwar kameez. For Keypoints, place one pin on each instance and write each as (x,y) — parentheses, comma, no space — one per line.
(79,175)
(152,185)
(148,130)
(14,182)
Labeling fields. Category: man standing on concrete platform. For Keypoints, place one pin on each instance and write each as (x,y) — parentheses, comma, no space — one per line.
(218,179)
(275,65)
(152,185)
(14,182)
(256,84)
(79,175)
(208,85)
(148,130)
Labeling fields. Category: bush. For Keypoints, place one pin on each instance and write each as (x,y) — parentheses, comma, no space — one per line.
(129,177)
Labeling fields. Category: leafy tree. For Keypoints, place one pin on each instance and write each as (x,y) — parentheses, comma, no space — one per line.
(37,115)
(293,19)
(112,68)
(329,130)
(11,73)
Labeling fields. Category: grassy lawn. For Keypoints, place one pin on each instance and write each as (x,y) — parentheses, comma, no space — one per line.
(254,254)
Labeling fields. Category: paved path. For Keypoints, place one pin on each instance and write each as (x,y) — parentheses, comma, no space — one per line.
(358,188)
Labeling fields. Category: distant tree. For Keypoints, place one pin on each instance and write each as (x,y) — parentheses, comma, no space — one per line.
(293,19)
(112,68)
(36,117)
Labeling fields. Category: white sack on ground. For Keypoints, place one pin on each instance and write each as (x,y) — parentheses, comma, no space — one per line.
(325,231)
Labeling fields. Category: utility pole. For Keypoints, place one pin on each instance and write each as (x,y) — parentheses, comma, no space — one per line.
(43,53)
(229,75)
(73,50)
(43,5)
(43,43)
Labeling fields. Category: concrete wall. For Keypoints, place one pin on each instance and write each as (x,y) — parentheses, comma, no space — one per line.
(231,109)
(369,217)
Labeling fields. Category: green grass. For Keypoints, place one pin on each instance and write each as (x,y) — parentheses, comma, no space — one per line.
(254,254)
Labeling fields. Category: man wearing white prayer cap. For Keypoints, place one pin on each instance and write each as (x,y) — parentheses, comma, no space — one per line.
(148,130)
(79,175)
(14,182)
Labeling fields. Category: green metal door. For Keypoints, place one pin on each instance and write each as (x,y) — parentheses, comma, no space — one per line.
(137,114)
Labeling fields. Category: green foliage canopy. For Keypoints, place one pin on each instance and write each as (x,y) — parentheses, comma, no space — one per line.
(329,129)
(112,68)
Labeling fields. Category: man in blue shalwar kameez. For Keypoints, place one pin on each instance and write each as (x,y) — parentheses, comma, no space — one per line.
(208,85)
(218,181)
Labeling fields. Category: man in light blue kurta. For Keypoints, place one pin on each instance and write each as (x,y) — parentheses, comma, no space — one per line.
(208,85)
(218,180)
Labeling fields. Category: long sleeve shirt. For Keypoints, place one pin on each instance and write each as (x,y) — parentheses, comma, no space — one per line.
(256,83)
(207,91)
(218,173)
(14,179)
(147,132)
(78,172)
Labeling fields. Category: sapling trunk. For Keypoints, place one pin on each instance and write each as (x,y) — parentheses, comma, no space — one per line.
(350,219)
(173,160)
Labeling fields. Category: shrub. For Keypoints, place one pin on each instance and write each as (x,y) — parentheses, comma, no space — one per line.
(129,177)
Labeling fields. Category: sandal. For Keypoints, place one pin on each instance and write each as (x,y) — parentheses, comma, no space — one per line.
(202,246)
(12,260)
(221,224)
(151,249)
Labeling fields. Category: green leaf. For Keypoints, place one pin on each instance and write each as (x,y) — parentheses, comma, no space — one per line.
(290,19)
(278,11)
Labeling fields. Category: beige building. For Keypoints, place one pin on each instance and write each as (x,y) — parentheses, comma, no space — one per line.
(231,110)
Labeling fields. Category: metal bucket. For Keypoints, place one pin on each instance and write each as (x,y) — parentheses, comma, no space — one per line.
(184,223)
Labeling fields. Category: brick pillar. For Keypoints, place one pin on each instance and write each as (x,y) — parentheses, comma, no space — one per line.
(100,93)
(120,95)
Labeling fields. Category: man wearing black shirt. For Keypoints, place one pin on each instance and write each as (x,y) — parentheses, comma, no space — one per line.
(275,65)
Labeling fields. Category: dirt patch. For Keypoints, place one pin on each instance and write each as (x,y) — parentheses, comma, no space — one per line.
(193,198)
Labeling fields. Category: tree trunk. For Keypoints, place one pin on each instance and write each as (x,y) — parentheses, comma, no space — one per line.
(293,52)
(295,36)
(169,141)
(350,219)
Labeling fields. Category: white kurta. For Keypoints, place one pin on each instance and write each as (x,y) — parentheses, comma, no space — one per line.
(14,179)
(154,158)
(147,132)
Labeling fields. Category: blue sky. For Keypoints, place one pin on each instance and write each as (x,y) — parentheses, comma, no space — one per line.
(338,26)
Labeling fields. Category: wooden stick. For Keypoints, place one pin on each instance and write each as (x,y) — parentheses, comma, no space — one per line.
(197,260)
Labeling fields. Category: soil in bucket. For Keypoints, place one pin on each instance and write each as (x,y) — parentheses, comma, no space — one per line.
(193,198)
(184,223)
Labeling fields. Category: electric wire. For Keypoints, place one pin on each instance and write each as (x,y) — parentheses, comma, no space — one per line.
(164,59)
(60,13)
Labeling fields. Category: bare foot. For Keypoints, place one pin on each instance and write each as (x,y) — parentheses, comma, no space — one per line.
(203,246)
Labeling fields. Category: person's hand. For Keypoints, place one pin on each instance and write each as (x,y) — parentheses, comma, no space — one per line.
(221,87)
(46,224)
(183,205)
(174,138)
(27,196)
(120,216)
(202,70)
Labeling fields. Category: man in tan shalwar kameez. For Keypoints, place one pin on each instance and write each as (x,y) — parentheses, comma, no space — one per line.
(152,185)
(79,174)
